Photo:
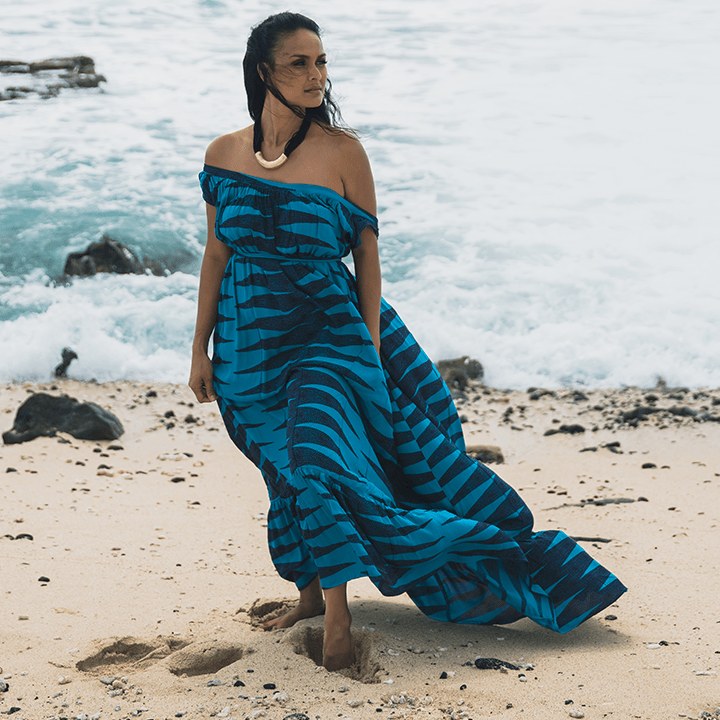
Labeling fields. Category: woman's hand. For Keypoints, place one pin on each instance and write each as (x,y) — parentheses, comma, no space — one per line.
(201,378)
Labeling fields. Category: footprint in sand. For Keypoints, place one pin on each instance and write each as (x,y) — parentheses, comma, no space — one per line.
(205,657)
(306,638)
(183,658)
(263,610)
(129,652)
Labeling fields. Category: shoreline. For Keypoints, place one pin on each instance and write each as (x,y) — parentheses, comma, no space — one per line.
(164,541)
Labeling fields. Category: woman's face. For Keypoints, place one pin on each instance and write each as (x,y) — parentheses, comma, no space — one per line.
(300,71)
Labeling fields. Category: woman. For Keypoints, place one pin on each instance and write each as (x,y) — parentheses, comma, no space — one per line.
(322,386)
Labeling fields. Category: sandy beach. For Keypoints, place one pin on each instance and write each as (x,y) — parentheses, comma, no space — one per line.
(134,571)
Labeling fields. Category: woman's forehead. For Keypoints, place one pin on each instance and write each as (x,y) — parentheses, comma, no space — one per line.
(301,42)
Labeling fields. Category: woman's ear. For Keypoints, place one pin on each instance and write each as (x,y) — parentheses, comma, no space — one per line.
(260,72)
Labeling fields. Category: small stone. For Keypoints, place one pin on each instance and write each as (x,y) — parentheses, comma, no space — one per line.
(4,687)
(611,617)
(443,675)
(238,683)
(214,682)
(522,678)
(281,698)
(577,714)
(64,680)
(493,664)
(355,703)
(269,686)
(107,680)
(343,688)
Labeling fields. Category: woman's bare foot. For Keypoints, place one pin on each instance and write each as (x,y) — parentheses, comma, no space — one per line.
(300,612)
(311,604)
(338,650)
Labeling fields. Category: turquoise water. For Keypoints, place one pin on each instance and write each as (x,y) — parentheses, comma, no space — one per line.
(546,177)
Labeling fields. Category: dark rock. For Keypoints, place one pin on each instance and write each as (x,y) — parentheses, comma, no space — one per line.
(683,412)
(639,413)
(43,579)
(238,683)
(486,453)
(611,617)
(536,394)
(177,479)
(458,372)
(68,356)
(493,664)
(24,536)
(106,256)
(10,469)
(679,394)
(649,466)
(45,415)
(48,77)
(443,675)
(566,429)
(269,686)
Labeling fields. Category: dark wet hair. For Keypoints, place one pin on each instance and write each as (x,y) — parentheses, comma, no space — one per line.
(262,45)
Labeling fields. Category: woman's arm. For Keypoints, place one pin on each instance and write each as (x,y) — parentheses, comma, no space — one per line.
(214,261)
(367,273)
(360,190)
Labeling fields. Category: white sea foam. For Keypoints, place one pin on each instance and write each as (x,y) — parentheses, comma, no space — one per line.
(546,175)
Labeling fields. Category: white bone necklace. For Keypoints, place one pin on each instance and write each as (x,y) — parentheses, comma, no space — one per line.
(270,164)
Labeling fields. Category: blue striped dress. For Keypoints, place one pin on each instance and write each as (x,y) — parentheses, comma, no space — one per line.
(364,457)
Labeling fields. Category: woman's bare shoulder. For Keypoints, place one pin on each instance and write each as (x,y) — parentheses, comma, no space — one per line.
(224,149)
(355,172)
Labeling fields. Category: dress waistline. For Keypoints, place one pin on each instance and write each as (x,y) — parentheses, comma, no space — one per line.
(286,258)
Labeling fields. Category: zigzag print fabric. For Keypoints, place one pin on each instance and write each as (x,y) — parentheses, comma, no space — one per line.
(363,457)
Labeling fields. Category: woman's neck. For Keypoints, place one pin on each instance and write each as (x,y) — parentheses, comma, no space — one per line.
(279,124)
